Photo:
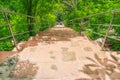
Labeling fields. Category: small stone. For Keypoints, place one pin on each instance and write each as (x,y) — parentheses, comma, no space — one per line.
(88,49)
(69,56)
(52,57)
(44,36)
(32,49)
(54,67)
(51,52)
(75,44)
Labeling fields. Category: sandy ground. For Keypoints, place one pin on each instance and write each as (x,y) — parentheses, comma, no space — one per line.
(60,60)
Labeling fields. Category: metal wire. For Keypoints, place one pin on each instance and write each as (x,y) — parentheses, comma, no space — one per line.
(116,25)
(7,37)
(101,34)
(113,11)
(2,25)
(11,12)
(98,14)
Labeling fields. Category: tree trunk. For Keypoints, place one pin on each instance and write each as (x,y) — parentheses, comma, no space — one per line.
(31,12)
(29,19)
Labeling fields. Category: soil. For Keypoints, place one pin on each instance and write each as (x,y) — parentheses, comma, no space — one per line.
(7,54)
(58,53)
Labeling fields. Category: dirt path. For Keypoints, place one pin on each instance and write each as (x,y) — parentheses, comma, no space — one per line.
(60,60)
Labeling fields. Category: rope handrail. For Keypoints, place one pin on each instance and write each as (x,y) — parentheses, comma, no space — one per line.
(110,26)
(102,13)
(116,25)
(3,38)
(1,25)
(104,25)
(7,37)
(97,14)
(102,34)
(80,24)
(11,12)
(8,24)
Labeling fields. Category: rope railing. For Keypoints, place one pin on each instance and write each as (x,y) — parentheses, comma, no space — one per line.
(9,25)
(110,25)
(19,33)
(97,14)
(106,25)
(11,12)
(101,34)
(3,25)
(10,29)
(7,37)
(84,21)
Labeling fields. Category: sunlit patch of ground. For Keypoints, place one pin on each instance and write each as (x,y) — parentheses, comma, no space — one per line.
(59,53)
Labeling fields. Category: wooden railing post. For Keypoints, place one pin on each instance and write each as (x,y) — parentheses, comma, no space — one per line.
(37,25)
(80,26)
(9,25)
(107,32)
(84,21)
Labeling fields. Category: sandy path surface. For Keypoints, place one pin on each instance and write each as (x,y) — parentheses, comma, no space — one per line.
(61,60)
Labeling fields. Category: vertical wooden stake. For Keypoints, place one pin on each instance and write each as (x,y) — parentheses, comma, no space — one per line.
(9,25)
(107,32)
(81,26)
(37,25)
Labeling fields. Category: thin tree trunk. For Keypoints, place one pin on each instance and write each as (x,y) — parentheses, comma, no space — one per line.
(34,10)
(29,19)
(31,12)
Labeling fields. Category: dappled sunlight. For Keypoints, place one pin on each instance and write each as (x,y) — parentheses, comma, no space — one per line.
(24,69)
(59,40)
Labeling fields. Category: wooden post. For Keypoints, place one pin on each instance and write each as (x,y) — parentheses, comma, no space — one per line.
(84,21)
(107,33)
(9,25)
(37,25)
(81,26)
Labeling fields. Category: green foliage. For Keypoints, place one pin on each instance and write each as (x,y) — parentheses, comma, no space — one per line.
(115,44)
(84,8)
(46,14)
(6,45)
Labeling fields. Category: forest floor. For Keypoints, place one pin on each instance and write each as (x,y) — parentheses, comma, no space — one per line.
(58,53)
